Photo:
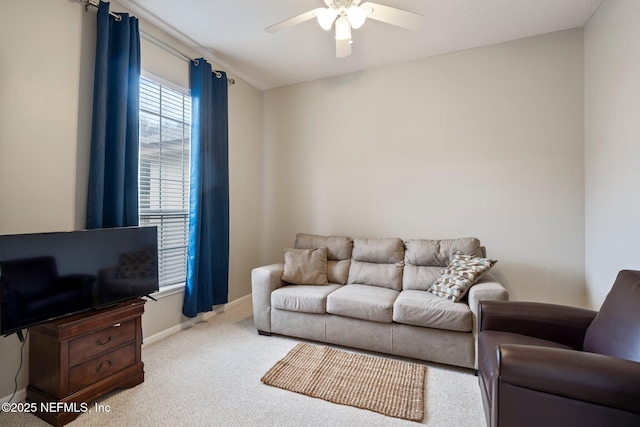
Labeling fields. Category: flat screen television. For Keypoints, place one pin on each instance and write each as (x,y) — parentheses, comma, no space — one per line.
(45,276)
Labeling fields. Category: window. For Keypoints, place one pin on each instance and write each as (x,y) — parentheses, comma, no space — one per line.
(165,123)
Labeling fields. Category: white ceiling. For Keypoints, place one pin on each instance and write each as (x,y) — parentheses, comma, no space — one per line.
(231,32)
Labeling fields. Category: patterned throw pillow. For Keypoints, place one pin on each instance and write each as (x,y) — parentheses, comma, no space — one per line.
(136,265)
(462,272)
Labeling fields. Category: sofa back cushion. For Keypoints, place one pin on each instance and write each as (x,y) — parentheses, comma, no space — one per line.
(339,250)
(425,260)
(377,262)
(615,331)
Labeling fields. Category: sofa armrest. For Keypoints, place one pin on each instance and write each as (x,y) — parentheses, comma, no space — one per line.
(264,280)
(589,377)
(558,323)
(487,288)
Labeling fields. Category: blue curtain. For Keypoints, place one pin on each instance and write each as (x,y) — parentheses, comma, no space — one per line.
(112,199)
(208,250)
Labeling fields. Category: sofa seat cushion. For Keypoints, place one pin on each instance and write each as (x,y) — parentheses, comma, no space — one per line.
(421,308)
(363,302)
(488,342)
(302,298)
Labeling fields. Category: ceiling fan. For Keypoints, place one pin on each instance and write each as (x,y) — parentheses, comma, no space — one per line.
(348,14)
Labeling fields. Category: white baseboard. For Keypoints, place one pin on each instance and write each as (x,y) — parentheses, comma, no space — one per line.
(20,396)
(202,317)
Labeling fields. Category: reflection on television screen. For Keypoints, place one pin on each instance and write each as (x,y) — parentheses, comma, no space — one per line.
(45,276)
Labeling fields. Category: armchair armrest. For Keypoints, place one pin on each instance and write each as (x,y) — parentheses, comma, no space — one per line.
(264,280)
(487,288)
(562,324)
(589,377)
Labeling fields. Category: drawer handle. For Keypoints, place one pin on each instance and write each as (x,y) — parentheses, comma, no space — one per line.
(100,342)
(99,368)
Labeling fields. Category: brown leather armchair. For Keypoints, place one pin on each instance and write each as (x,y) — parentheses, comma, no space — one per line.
(550,365)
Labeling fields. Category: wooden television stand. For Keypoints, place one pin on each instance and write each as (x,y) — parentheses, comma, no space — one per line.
(75,360)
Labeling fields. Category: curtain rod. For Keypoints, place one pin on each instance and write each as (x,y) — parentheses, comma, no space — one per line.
(155,41)
(170,49)
(88,3)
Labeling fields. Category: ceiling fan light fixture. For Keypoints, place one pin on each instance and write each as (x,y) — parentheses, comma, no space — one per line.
(357,16)
(348,14)
(326,17)
(343,28)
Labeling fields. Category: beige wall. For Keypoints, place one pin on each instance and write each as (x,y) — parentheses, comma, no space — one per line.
(486,142)
(612,144)
(39,75)
(47,50)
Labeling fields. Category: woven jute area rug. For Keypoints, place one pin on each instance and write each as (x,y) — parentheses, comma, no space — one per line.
(390,387)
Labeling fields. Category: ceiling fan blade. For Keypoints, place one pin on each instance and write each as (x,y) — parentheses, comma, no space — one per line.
(393,16)
(343,48)
(293,21)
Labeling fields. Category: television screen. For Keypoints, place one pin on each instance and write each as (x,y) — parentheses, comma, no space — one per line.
(45,276)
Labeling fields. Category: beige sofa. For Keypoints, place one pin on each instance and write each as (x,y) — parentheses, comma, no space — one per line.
(376,295)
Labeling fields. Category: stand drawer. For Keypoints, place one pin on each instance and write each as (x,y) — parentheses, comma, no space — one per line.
(101,367)
(100,341)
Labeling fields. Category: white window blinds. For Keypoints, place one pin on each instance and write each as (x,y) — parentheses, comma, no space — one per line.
(165,121)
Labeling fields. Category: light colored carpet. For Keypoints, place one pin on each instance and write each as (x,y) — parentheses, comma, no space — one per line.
(377,383)
(209,375)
